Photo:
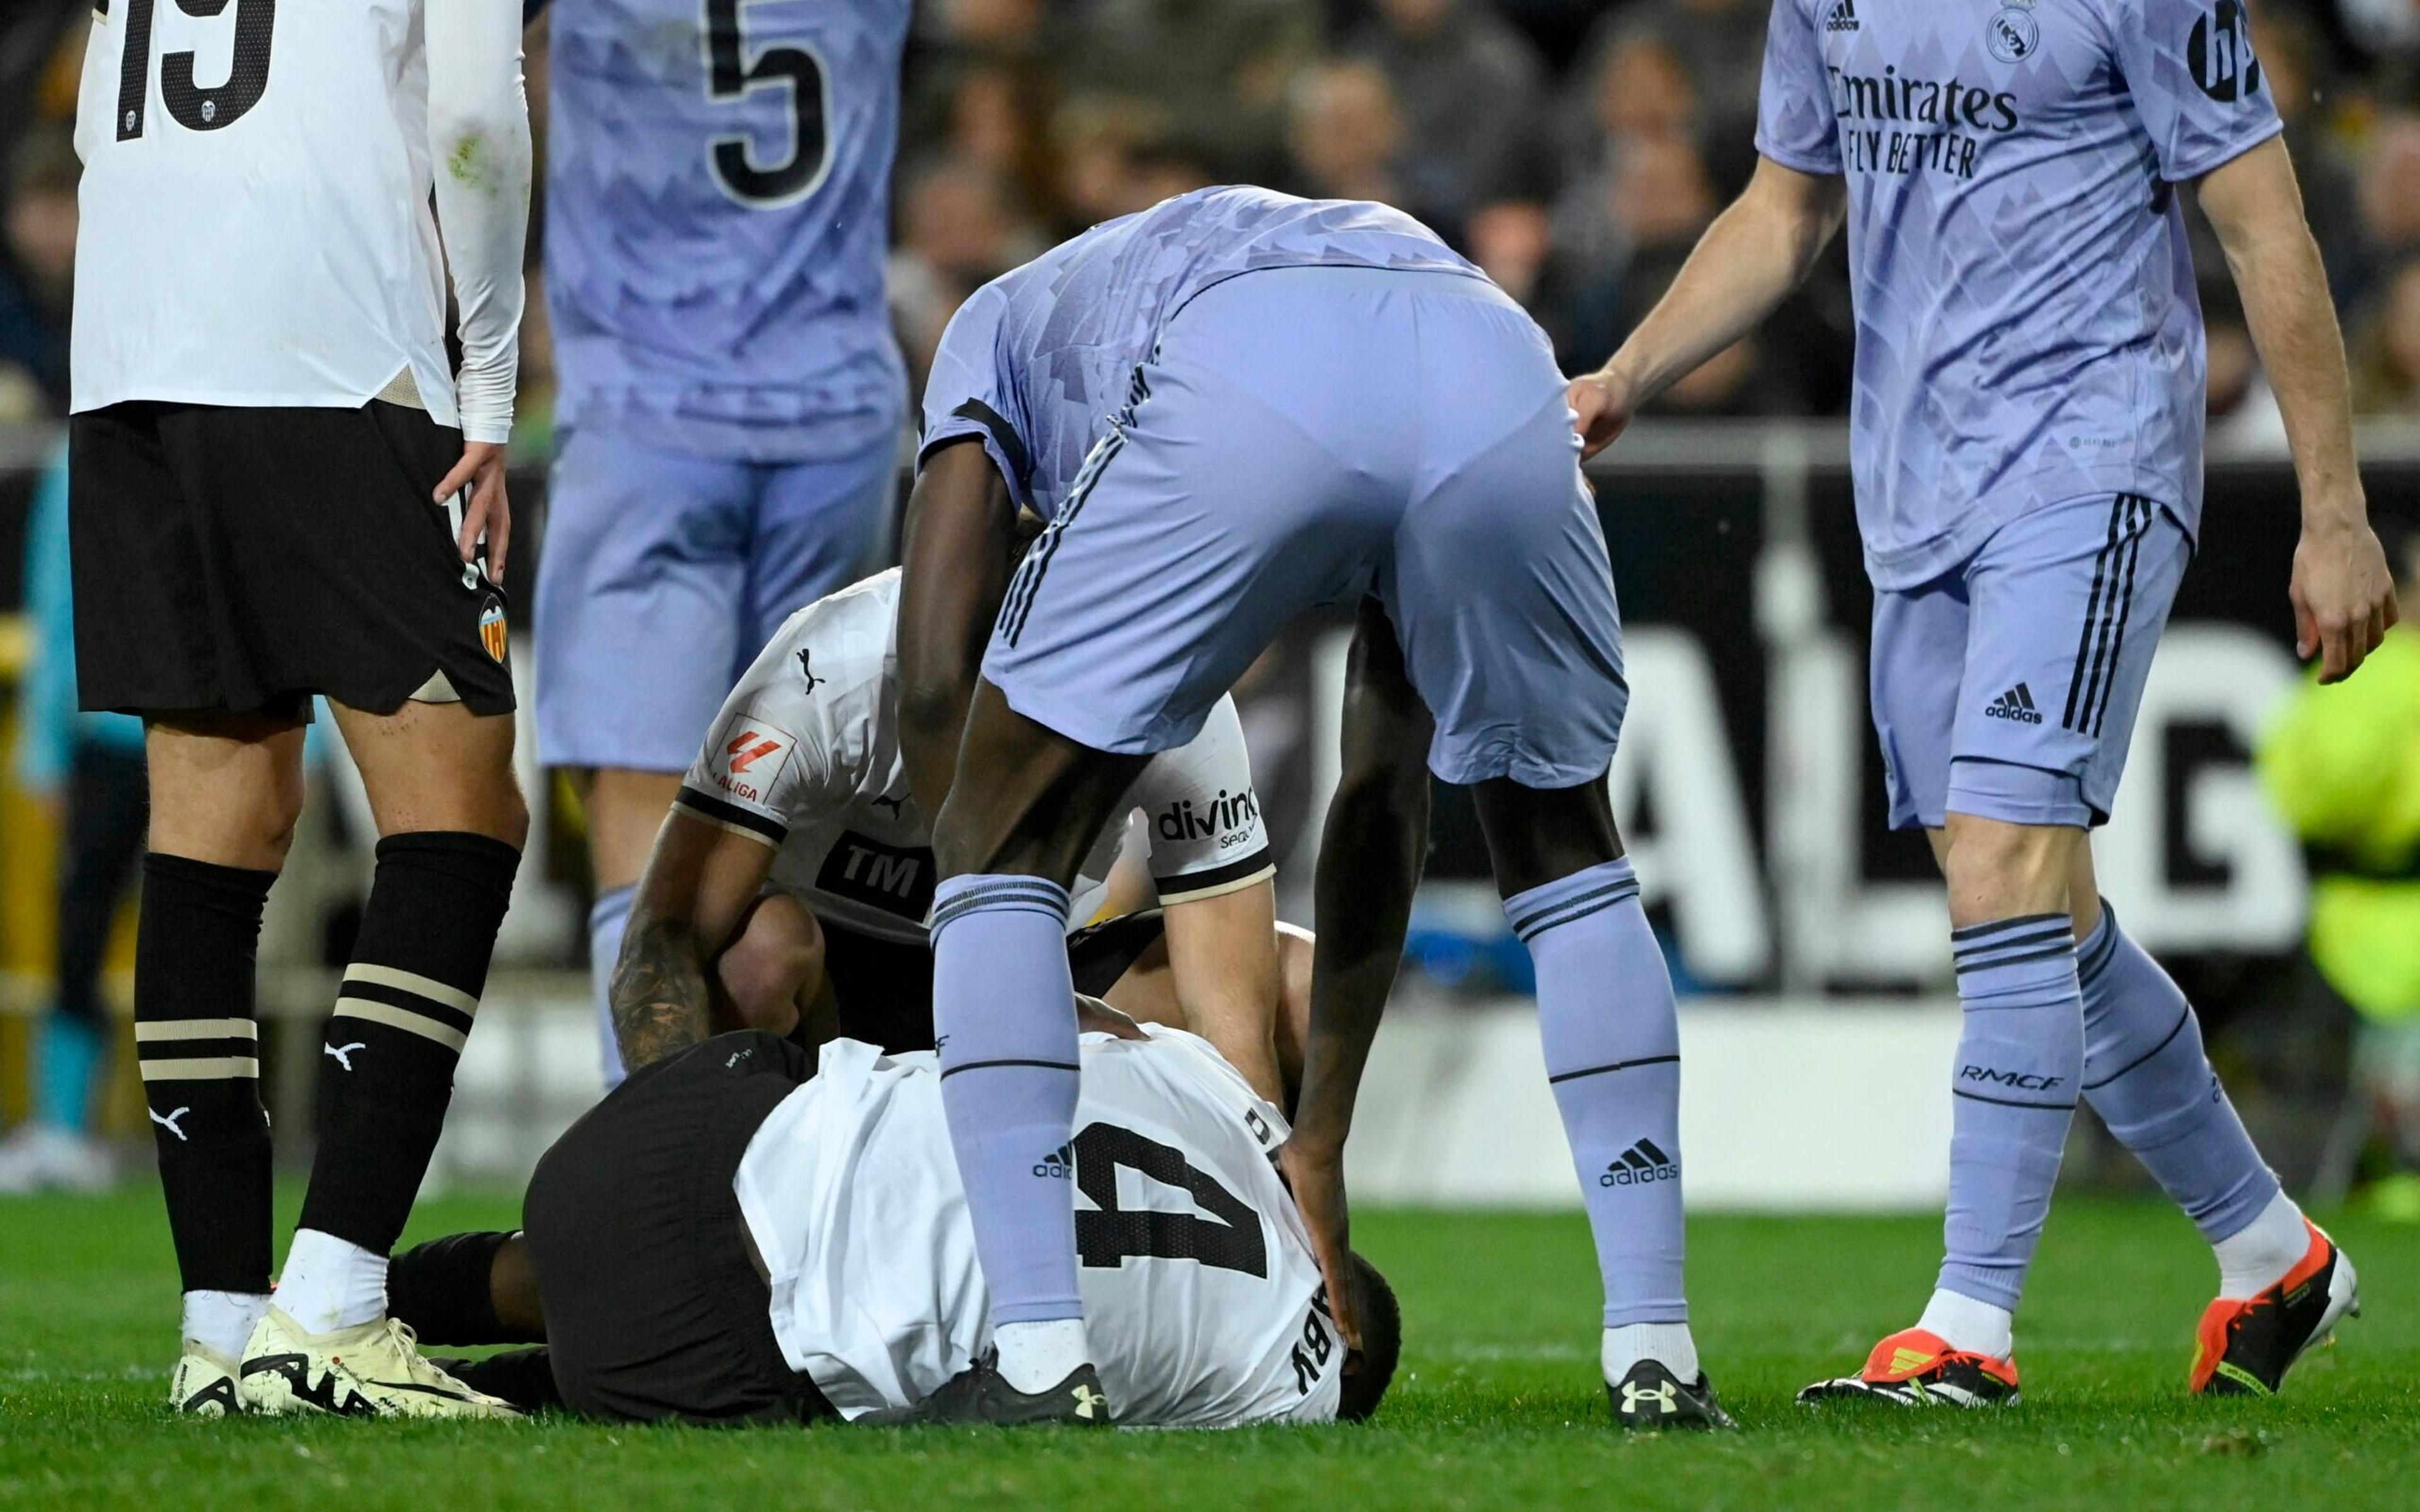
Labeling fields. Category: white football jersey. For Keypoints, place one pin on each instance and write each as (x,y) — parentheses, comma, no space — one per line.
(256,221)
(1201,1300)
(804,757)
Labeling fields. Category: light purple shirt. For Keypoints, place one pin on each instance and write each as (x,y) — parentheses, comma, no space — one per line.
(2028,329)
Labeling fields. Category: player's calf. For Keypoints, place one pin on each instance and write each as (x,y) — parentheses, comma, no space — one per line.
(197,1047)
(1612,1039)
(2020,1059)
(2146,1076)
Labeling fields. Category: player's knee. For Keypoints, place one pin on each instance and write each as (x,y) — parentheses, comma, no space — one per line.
(969,838)
(272,831)
(1540,835)
(508,816)
(956,849)
(1998,869)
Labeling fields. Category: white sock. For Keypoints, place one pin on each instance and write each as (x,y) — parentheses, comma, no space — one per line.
(1037,1356)
(331,1283)
(1964,1323)
(1666,1344)
(2257,1257)
(222,1321)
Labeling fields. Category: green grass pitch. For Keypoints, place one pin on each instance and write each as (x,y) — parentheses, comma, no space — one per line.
(1498,1405)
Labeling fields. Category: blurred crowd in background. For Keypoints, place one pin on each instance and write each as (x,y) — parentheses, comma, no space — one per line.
(1574,149)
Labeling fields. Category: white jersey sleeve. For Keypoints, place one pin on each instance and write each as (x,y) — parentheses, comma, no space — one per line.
(479,139)
(1201,814)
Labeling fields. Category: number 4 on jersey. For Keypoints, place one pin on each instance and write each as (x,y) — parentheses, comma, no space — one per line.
(1225,1234)
(193,107)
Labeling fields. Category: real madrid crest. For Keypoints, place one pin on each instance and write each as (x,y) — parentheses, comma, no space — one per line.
(2012,34)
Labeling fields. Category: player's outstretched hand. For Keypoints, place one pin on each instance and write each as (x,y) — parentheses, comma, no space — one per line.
(1316,1174)
(482,471)
(2343,594)
(1602,404)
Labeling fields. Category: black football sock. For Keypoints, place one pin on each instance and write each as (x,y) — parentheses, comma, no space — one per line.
(386,1068)
(524,1378)
(198,934)
(445,1290)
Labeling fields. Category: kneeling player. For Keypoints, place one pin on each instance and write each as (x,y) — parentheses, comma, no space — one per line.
(739,1234)
(795,872)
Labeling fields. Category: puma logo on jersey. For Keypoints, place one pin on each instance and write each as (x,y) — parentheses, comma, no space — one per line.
(169,1123)
(750,748)
(342,1054)
(1666,1397)
(806,668)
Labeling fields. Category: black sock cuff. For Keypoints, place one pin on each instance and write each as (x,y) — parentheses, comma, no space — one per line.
(444,1289)
(200,930)
(460,855)
(237,886)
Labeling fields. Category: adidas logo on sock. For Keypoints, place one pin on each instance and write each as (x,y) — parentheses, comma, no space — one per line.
(1060,1162)
(1640,1163)
(1843,17)
(2017,704)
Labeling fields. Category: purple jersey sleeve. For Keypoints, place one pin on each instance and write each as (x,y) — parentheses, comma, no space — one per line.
(970,394)
(2197,87)
(1795,118)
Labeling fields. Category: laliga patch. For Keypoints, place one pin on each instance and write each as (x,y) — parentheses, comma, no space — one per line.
(748,756)
(492,631)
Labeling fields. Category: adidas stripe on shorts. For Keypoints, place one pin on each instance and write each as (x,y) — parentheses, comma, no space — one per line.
(2007,686)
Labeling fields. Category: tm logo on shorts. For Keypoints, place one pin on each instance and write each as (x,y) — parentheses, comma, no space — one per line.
(2016,705)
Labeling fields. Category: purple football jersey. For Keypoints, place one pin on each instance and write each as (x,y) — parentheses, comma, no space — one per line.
(2028,329)
(717,215)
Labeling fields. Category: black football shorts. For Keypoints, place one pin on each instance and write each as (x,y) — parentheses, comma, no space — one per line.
(654,1309)
(234,561)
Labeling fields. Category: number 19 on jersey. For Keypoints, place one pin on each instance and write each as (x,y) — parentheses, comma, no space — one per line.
(190,105)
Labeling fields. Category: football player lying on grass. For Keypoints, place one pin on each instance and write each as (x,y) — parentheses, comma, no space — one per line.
(747,1232)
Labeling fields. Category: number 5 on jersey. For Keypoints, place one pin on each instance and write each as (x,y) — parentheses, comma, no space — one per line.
(732,74)
(193,107)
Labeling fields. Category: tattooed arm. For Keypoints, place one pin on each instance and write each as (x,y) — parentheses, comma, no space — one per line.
(699,885)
